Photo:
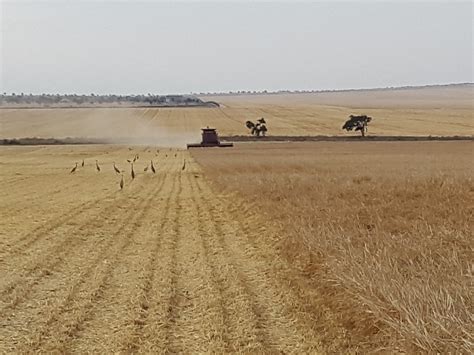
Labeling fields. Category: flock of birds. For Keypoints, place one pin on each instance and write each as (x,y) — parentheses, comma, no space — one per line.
(151,166)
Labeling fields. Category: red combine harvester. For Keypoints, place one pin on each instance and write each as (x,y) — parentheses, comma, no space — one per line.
(209,139)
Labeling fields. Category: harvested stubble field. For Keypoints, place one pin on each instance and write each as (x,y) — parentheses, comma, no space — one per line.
(380,234)
(163,266)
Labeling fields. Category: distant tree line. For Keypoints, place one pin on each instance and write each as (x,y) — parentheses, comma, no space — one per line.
(77,100)
(314,91)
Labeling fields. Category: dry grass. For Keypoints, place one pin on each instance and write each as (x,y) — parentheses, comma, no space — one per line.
(380,232)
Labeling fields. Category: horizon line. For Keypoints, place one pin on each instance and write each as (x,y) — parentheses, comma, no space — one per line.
(251,92)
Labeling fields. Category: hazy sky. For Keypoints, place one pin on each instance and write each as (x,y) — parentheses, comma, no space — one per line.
(178,47)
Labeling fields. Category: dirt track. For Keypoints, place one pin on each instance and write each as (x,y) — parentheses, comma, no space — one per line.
(162,266)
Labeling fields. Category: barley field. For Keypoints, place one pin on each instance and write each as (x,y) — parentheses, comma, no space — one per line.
(380,234)
(315,247)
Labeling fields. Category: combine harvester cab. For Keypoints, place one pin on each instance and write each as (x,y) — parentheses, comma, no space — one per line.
(209,139)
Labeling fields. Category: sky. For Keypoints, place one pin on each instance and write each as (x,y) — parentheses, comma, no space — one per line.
(132,47)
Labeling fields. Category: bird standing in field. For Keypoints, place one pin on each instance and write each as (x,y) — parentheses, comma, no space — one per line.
(74,169)
(152,167)
(184,164)
(97,165)
(133,172)
(116,169)
(121,183)
(82,163)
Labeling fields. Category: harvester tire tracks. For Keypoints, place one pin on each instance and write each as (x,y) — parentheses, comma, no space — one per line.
(172,301)
(260,319)
(56,255)
(40,232)
(256,282)
(113,249)
(132,343)
(177,269)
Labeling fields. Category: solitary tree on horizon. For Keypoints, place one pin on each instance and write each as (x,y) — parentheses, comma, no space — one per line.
(357,123)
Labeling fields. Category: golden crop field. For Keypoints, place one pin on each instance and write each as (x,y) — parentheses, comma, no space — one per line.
(322,247)
(379,235)
(418,112)
(160,266)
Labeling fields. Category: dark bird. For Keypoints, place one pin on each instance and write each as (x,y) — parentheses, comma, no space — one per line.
(82,163)
(184,165)
(116,169)
(74,169)
(146,168)
(133,172)
(152,167)
(97,165)
(129,160)
(166,155)
(121,183)
(175,155)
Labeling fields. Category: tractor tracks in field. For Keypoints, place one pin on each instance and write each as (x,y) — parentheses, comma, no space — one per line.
(257,324)
(143,322)
(280,321)
(34,202)
(28,266)
(98,207)
(140,312)
(184,313)
(109,290)
(122,325)
(35,236)
(238,322)
(170,298)
(175,270)
(57,324)
(127,317)
(300,299)
(196,312)
(64,244)
(90,237)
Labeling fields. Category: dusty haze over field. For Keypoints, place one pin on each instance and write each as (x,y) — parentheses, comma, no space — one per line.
(440,111)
